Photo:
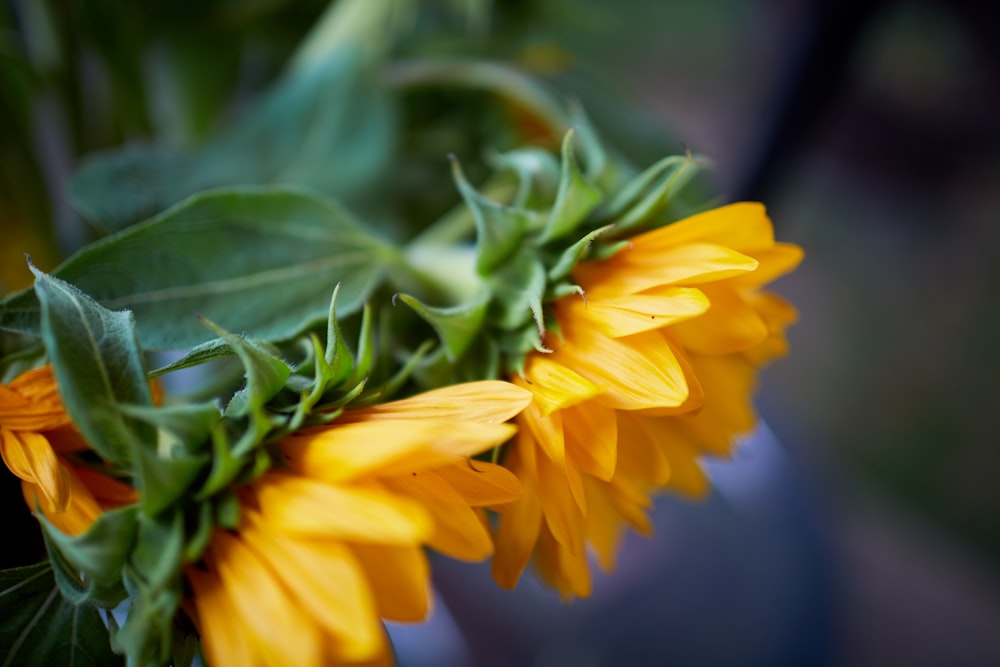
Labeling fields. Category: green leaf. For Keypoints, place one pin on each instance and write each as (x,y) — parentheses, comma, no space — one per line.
(518,289)
(97,556)
(199,354)
(257,261)
(39,627)
(337,358)
(499,229)
(164,477)
(97,364)
(266,374)
(328,127)
(649,193)
(189,423)
(573,254)
(457,326)
(575,199)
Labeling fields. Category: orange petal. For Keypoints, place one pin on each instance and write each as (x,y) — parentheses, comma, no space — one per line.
(399,579)
(489,401)
(632,314)
(519,522)
(639,372)
(481,484)
(326,579)
(343,452)
(730,325)
(356,513)
(743,226)
(554,385)
(591,433)
(29,456)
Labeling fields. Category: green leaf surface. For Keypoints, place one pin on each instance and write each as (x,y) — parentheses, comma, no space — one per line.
(457,326)
(40,627)
(97,364)
(98,555)
(328,126)
(575,199)
(260,261)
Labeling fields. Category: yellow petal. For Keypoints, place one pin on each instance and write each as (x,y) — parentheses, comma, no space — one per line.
(277,626)
(343,452)
(31,402)
(224,641)
(689,265)
(564,569)
(743,226)
(730,325)
(489,401)
(546,432)
(517,529)
(29,456)
(562,514)
(632,314)
(357,513)
(73,519)
(591,433)
(639,456)
(639,372)
(326,579)
(481,484)
(399,579)
(605,526)
(774,262)
(554,385)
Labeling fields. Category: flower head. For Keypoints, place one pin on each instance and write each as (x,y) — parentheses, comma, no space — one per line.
(37,441)
(652,368)
(332,542)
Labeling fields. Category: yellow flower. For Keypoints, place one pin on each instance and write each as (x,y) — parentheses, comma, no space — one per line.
(36,441)
(651,369)
(334,541)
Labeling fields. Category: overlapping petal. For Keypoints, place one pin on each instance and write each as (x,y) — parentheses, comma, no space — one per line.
(653,368)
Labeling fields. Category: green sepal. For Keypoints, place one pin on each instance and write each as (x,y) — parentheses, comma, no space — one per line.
(537,173)
(165,475)
(227,511)
(572,255)
(210,350)
(38,626)
(575,199)
(337,355)
(595,157)
(649,193)
(266,374)
(88,567)
(518,289)
(189,424)
(366,350)
(225,464)
(153,578)
(204,526)
(97,364)
(396,382)
(499,229)
(457,326)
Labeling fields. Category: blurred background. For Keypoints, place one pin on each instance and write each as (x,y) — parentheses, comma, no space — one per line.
(861,526)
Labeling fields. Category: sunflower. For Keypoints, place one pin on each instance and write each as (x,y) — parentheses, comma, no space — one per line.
(333,541)
(38,443)
(652,368)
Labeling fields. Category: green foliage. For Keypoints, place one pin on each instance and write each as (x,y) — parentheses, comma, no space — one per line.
(257,261)
(327,127)
(40,627)
(97,364)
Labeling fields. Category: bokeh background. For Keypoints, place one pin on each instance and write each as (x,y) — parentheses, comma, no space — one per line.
(862,525)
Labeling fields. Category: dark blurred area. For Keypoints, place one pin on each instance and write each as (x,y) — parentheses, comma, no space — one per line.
(862,528)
